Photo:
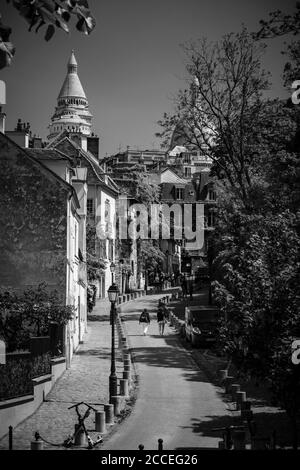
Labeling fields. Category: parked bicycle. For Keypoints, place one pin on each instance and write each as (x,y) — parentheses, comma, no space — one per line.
(80,428)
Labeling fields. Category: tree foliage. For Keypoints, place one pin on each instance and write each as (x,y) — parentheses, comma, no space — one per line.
(29,313)
(279,24)
(55,14)
(254,143)
(216,113)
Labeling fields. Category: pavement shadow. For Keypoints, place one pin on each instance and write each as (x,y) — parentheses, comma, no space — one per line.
(170,357)
(265,424)
(100,317)
(102,353)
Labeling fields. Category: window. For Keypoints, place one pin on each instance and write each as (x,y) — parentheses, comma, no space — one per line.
(90,206)
(187,158)
(211,195)
(179,193)
(211,219)
(187,172)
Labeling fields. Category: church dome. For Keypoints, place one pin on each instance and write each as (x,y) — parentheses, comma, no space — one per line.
(72,110)
(72,86)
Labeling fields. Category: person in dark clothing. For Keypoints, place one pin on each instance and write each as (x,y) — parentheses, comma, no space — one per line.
(184,287)
(161,317)
(144,321)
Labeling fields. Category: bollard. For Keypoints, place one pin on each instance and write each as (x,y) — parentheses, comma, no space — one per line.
(100,422)
(38,444)
(239,440)
(109,413)
(124,387)
(126,357)
(10,438)
(127,363)
(127,369)
(240,398)
(228,381)
(117,402)
(223,374)
(126,375)
(160,444)
(80,437)
(234,388)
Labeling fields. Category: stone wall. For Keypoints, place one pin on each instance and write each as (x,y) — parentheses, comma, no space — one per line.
(33,221)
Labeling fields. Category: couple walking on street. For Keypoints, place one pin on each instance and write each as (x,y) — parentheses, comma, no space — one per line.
(162,317)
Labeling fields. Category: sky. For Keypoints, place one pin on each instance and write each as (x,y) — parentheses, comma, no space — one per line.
(131,66)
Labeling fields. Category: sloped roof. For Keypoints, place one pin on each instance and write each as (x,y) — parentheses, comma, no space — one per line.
(51,175)
(89,157)
(72,86)
(48,154)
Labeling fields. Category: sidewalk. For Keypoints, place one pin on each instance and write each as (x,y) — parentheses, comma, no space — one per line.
(86,380)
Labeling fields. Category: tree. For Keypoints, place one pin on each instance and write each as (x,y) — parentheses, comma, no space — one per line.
(254,144)
(216,114)
(53,13)
(279,24)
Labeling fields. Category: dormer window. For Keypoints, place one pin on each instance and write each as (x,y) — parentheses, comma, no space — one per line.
(179,193)
(211,195)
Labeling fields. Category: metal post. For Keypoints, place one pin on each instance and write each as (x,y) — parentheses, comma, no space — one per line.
(10,438)
(113,380)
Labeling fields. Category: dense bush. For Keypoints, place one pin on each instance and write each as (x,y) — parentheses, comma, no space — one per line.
(17,374)
(29,314)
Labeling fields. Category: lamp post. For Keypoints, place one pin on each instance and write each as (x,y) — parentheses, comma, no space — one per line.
(113,293)
(112,270)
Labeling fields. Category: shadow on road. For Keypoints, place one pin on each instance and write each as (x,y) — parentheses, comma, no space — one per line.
(170,357)
(265,424)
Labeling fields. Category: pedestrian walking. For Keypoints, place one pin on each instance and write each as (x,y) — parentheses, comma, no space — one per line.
(161,317)
(144,321)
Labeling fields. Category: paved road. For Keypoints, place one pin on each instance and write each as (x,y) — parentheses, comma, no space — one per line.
(175,401)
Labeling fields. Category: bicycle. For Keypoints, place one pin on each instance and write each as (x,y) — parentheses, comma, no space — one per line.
(72,440)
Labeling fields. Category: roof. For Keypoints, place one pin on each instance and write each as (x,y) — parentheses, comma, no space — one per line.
(89,157)
(48,154)
(72,85)
(27,153)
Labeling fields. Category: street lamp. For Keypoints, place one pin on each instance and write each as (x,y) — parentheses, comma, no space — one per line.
(113,293)
(112,270)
